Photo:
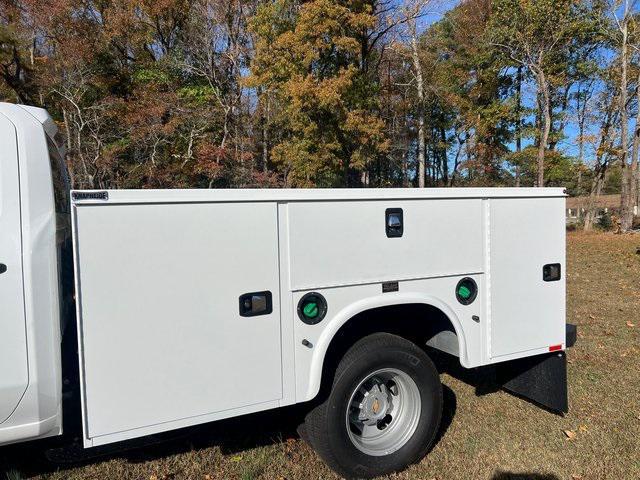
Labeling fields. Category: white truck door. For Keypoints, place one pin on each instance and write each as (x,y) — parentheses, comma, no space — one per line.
(13,347)
(168,335)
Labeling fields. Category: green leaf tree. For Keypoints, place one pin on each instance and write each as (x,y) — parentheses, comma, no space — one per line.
(538,34)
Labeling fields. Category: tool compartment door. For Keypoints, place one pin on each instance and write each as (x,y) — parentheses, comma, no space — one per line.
(527,312)
(13,342)
(161,334)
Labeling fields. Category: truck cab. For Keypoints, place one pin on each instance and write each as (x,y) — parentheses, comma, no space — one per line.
(34,241)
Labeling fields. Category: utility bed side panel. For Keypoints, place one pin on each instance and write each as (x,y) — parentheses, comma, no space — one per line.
(527,313)
(343,243)
(161,336)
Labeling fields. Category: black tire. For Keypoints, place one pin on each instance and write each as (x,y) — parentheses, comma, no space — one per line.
(326,426)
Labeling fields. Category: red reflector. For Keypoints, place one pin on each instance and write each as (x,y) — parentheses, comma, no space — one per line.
(555,348)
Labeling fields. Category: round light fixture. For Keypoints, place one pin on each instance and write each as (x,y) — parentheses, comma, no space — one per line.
(466,291)
(312,308)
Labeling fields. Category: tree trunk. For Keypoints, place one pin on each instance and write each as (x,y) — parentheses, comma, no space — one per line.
(456,161)
(420,92)
(582,108)
(468,153)
(264,120)
(605,144)
(405,176)
(545,126)
(405,153)
(632,204)
(518,122)
(596,188)
(626,216)
(443,153)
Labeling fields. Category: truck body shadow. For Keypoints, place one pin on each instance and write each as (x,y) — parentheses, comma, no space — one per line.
(500,475)
(232,436)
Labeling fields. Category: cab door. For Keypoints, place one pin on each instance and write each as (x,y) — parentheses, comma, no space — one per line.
(13,348)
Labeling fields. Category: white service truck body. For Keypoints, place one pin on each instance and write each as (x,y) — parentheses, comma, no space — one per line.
(191,303)
(159,274)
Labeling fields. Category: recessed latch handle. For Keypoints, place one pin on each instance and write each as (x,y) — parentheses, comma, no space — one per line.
(3,268)
(256,303)
(394,222)
(552,272)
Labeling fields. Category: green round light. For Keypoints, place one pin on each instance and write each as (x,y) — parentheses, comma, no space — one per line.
(311,310)
(464,291)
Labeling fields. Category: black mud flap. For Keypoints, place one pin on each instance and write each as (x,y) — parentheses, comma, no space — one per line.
(572,335)
(541,379)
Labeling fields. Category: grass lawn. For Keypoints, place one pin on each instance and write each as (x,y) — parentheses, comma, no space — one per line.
(490,436)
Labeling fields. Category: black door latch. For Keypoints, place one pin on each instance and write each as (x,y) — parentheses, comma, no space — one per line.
(551,272)
(256,303)
(394,222)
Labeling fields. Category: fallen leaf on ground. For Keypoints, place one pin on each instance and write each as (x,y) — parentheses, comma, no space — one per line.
(576,477)
(583,428)
(570,435)
(629,324)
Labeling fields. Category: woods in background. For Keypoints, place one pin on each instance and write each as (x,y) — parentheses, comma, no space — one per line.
(330,93)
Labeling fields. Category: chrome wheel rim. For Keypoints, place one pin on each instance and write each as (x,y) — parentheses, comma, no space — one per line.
(383,412)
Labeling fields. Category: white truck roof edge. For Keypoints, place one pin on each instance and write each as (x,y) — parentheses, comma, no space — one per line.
(48,124)
(43,117)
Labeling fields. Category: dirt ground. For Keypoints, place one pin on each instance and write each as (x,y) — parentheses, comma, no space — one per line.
(483,436)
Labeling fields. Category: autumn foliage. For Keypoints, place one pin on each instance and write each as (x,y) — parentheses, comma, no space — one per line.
(324,93)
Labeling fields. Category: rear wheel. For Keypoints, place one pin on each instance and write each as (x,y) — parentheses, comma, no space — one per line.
(383,411)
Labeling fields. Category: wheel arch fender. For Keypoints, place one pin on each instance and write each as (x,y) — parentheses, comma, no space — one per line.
(346,314)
